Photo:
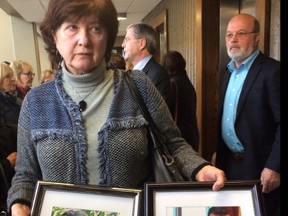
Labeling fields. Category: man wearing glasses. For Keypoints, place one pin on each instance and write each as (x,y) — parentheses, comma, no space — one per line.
(140,44)
(249,144)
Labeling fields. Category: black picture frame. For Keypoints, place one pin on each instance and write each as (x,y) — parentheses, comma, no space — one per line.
(196,198)
(52,198)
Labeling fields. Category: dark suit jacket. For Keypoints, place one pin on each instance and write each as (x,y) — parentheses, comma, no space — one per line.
(257,122)
(8,140)
(184,108)
(9,108)
(160,77)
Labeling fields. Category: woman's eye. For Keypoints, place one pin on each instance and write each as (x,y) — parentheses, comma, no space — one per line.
(96,29)
(73,27)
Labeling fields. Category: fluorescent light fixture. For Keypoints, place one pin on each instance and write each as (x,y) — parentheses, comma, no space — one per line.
(122,16)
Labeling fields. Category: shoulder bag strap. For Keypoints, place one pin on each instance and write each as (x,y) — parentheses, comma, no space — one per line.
(166,166)
(155,133)
(137,97)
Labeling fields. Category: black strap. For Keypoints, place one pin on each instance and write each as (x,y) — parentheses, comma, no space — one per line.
(137,97)
(154,131)
(159,139)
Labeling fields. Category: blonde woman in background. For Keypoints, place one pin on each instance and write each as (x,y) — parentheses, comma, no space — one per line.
(8,134)
(9,106)
(7,78)
(24,75)
(47,75)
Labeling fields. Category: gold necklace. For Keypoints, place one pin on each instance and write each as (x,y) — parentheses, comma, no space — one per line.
(82,103)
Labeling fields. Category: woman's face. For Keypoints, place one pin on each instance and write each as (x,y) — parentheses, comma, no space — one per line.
(82,44)
(26,77)
(8,84)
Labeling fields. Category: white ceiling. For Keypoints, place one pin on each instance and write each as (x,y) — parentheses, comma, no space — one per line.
(34,10)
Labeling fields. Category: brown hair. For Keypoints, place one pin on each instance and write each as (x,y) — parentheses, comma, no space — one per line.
(116,61)
(59,11)
(45,74)
(174,63)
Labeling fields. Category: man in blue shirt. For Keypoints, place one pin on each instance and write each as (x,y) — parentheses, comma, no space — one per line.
(249,144)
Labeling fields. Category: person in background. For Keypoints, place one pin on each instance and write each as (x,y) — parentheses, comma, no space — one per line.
(184,97)
(25,76)
(90,113)
(116,61)
(8,136)
(13,93)
(8,154)
(140,44)
(249,145)
(223,211)
(129,65)
(47,75)
(9,105)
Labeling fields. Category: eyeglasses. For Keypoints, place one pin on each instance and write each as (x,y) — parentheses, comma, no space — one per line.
(239,34)
(29,74)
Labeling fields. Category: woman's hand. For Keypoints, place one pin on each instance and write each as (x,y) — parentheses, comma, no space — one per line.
(211,173)
(20,210)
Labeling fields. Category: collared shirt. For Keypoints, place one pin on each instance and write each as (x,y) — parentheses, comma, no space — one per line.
(141,64)
(233,92)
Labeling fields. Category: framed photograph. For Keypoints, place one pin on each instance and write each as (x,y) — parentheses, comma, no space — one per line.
(236,198)
(58,199)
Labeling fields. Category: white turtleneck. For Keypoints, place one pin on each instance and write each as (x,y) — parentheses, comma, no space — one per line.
(98,85)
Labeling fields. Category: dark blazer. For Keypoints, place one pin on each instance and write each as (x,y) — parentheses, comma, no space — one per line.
(160,77)
(9,108)
(184,108)
(257,125)
(8,140)
(257,122)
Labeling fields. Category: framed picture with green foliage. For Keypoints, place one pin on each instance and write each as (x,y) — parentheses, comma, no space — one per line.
(61,199)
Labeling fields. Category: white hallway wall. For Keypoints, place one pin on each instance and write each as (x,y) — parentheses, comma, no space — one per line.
(20,41)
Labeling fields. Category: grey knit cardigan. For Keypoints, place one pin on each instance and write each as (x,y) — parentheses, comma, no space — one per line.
(52,144)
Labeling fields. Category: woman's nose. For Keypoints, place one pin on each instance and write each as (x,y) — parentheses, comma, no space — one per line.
(83,38)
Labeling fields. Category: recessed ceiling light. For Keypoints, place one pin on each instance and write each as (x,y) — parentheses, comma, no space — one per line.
(122,16)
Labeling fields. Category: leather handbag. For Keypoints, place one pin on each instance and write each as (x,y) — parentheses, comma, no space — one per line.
(165,166)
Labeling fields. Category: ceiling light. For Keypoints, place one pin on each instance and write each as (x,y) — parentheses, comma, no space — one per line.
(122,16)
